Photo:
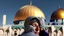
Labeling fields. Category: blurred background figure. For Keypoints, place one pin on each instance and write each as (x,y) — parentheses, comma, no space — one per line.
(21,31)
(1,32)
(53,30)
(50,31)
(43,32)
(7,31)
(18,31)
(56,33)
(12,34)
(15,33)
(60,32)
(63,30)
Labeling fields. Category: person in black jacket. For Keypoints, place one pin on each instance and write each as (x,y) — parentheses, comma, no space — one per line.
(42,30)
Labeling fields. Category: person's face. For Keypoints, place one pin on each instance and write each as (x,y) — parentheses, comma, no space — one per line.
(36,27)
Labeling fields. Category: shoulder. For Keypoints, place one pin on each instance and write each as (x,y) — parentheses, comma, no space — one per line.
(28,34)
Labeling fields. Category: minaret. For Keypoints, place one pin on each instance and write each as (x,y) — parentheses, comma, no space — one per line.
(30,2)
(4,20)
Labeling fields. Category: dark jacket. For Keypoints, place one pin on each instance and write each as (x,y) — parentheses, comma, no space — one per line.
(43,33)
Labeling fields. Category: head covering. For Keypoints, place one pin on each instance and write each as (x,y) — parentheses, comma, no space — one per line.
(28,27)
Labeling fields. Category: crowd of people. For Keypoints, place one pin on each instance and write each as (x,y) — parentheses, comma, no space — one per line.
(14,32)
(19,31)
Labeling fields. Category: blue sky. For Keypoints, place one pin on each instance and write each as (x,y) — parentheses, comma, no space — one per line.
(10,7)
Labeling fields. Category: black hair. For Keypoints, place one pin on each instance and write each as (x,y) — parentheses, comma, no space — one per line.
(49,29)
(61,29)
(36,20)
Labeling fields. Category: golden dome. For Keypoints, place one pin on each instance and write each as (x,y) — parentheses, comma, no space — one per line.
(28,10)
(58,14)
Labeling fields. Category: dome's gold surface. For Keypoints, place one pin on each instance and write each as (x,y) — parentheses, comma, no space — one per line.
(58,14)
(28,10)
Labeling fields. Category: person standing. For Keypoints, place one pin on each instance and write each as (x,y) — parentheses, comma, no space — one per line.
(31,27)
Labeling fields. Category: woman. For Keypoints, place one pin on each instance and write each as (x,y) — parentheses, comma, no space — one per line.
(31,27)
